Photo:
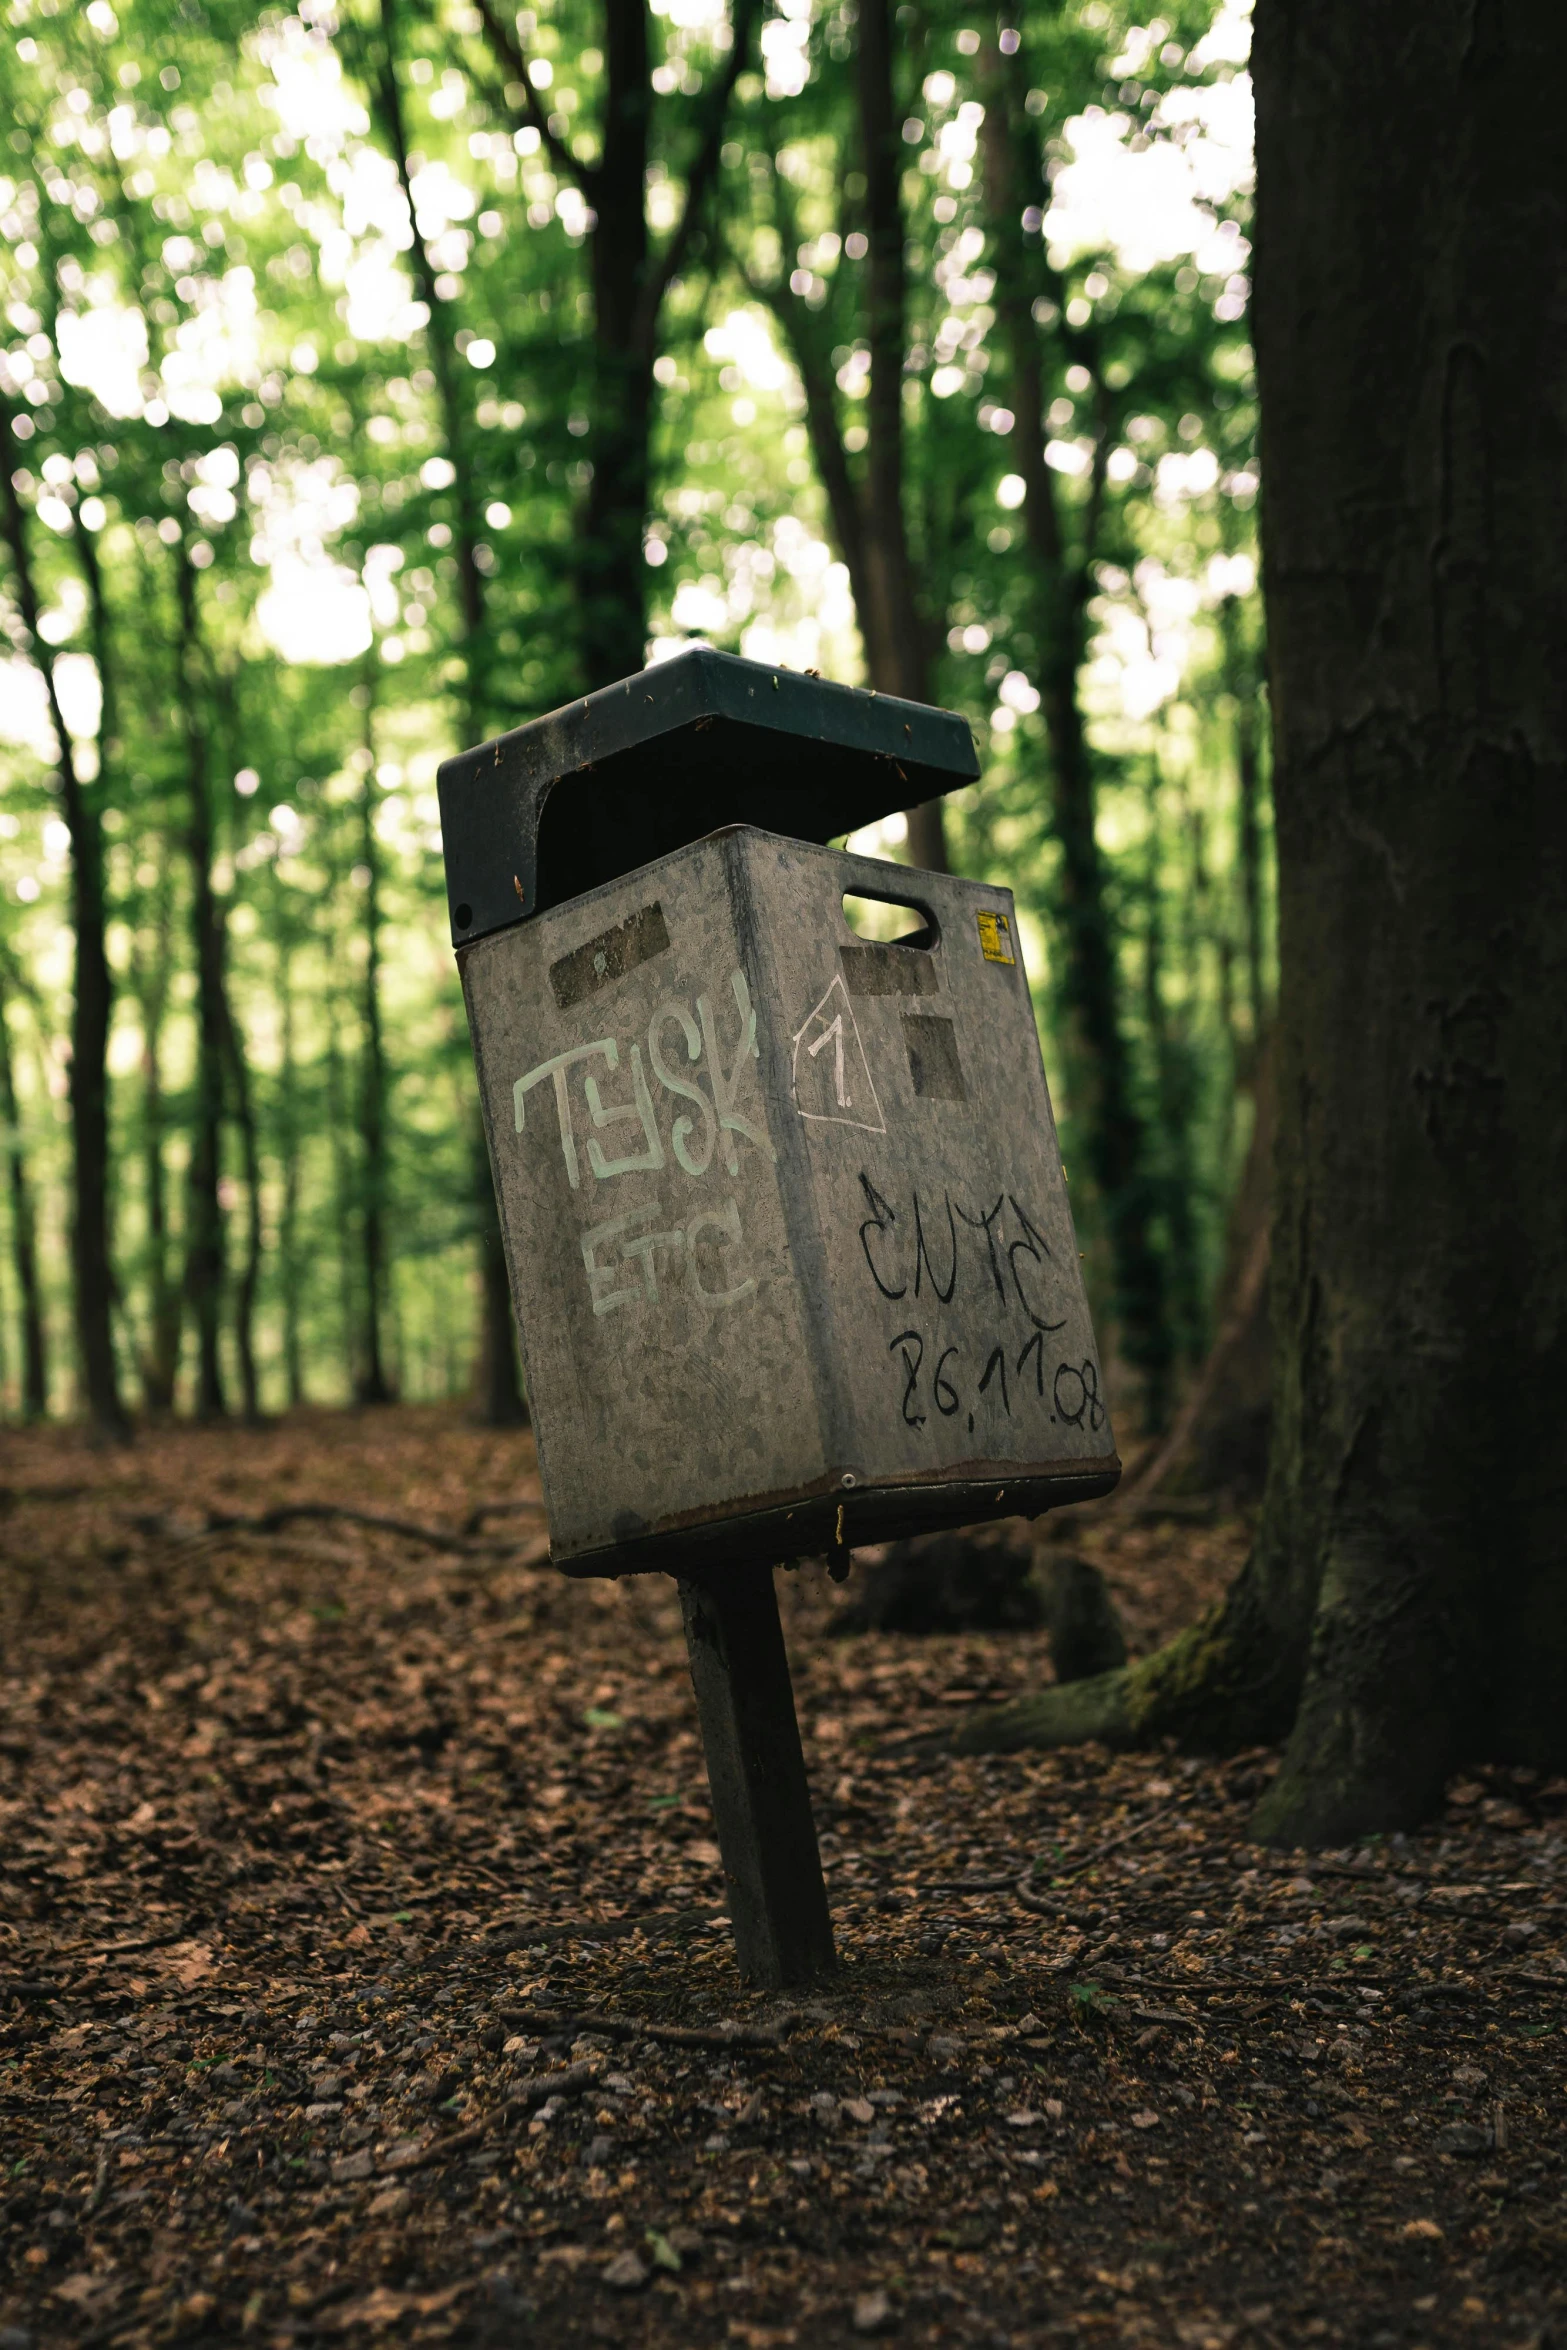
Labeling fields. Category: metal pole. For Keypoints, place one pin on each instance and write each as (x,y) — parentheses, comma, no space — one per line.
(756,1771)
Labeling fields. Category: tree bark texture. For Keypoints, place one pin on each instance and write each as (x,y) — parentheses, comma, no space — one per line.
(92,1002)
(1411,331)
(1405,1609)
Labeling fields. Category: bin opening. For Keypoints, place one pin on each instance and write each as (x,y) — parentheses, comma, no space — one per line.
(901,922)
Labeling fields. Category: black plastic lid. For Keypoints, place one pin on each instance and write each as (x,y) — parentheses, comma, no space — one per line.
(701,741)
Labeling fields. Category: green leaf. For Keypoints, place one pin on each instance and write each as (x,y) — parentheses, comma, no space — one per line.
(664,2253)
(597,1719)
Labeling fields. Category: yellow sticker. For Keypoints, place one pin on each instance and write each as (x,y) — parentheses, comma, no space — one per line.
(995,938)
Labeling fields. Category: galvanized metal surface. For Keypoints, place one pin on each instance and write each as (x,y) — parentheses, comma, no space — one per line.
(788,1233)
(623,776)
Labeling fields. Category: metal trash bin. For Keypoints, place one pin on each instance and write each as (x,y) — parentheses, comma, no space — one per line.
(787,1228)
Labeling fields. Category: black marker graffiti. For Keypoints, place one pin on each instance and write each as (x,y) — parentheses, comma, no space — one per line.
(912,1370)
(997,1362)
(922,1259)
(1074,1387)
(1008,1271)
(880,1219)
(984,1224)
(1077,1397)
(1034,1245)
(1015,1252)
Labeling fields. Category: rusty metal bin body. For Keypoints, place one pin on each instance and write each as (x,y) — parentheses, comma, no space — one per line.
(784,1211)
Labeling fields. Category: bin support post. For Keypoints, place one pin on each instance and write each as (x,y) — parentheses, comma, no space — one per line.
(756,1771)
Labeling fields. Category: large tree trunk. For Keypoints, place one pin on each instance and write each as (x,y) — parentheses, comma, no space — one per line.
(1412,443)
(1405,1609)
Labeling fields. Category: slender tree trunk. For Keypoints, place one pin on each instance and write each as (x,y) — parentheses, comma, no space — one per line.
(24,1234)
(629,280)
(1219,1439)
(92,1004)
(498,1388)
(869,518)
(1405,1609)
(1173,1076)
(288,1217)
(250,1272)
(1100,1083)
(894,628)
(205,1255)
(611,573)
(373,1384)
(160,1353)
(338,1115)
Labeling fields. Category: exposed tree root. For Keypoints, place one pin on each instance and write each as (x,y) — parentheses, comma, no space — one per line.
(1226,1682)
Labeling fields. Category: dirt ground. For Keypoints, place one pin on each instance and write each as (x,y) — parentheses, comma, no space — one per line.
(364,1972)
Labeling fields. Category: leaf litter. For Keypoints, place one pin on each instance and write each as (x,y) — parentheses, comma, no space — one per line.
(364,1970)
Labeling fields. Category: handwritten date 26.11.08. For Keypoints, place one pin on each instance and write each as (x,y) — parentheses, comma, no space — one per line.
(1010,1261)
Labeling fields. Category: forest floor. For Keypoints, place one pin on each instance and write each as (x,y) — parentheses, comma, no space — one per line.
(364,1971)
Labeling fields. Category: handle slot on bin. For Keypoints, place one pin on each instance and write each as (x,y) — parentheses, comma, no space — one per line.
(788,1235)
(920,934)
